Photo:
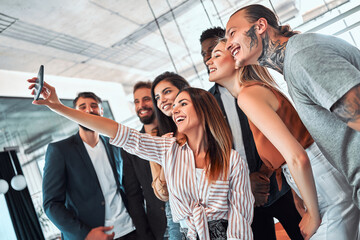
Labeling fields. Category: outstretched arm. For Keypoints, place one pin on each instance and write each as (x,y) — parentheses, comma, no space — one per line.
(347,108)
(99,124)
(145,146)
(260,105)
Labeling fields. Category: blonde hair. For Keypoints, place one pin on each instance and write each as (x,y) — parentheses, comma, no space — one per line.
(256,73)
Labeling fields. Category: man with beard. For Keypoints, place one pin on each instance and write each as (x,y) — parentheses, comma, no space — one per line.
(138,174)
(82,185)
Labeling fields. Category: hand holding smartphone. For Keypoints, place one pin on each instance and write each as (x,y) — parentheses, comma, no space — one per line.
(39,83)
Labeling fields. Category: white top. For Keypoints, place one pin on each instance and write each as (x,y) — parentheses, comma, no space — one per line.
(233,119)
(115,212)
(196,201)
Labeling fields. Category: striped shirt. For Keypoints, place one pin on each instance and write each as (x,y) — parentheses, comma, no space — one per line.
(198,203)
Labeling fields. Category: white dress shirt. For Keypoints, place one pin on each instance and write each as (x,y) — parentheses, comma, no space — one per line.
(115,212)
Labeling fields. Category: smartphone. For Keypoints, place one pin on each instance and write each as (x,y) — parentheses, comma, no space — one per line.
(39,83)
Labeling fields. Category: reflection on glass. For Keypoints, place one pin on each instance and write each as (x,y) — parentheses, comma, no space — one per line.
(29,129)
(6,226)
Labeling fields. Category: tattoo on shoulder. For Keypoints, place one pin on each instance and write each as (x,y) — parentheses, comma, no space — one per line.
(273,54)
(347,108)
(252,35)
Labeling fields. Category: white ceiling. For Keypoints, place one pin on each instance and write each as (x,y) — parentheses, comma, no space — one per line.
(107,40)
(113,40)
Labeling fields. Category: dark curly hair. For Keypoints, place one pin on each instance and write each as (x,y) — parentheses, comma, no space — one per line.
(215,32)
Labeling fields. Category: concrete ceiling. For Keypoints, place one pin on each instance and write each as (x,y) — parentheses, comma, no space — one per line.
(110,40)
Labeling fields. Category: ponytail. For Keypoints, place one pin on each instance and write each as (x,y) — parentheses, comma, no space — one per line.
(256,11)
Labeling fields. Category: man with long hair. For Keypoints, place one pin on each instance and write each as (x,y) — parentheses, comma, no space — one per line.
(323,77)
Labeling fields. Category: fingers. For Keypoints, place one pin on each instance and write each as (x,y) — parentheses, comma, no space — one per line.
(110,236)
(104,229)
(48,86)
(32,80)
(32,86)
(259,177)
(39,102)
(168,135)
(264,177)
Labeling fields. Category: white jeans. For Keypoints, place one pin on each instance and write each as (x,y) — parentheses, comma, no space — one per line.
(339,215)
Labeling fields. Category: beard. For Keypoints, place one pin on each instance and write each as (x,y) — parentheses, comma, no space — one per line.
(88,129)
(148,119)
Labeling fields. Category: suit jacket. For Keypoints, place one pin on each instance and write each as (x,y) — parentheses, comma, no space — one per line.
(252,156)
(137,182)
(73,199)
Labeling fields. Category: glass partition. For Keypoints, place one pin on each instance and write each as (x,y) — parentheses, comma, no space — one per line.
(28,129)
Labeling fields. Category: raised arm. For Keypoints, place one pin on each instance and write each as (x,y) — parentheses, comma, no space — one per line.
(258,104)
(145,146)
(99,124)
(347,108)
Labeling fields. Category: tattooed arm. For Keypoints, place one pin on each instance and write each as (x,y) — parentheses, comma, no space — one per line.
(347,108)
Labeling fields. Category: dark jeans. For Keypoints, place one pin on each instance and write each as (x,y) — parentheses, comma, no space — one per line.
(173,228)
(129,236)
(217,230)
(284,210)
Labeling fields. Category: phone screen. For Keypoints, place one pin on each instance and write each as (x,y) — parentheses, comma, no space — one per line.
(39,83)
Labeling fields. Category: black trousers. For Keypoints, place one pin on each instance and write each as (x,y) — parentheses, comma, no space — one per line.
(129,236)
(284,210)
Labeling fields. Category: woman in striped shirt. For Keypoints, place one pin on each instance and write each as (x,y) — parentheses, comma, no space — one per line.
(207,180)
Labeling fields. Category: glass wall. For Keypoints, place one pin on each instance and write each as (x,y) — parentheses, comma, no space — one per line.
(29,129)
(6,227)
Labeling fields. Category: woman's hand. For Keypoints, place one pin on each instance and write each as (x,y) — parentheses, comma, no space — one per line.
(308,225)
(48,92)
(168,135)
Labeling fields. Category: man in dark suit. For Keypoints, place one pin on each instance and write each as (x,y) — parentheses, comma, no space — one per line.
(137,172)
(82,184)
(269,201)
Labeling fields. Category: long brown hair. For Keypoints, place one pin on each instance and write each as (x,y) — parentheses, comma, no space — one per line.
(217,132)
(255,11)
(165,123)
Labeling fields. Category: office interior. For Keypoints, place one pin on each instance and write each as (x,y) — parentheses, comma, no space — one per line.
(106,47)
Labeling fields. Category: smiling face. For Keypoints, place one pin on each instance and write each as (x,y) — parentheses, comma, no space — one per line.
(243,40)
(207,47)
(165,94)
(144,105)
(221,64)
(184,114)
(90,106)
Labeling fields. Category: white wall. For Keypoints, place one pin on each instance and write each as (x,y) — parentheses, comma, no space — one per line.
(14,84)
